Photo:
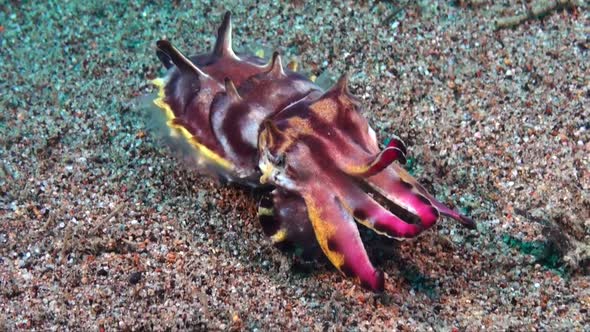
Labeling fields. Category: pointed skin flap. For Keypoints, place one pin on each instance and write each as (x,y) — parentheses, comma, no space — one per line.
(232,91)
(169,53)
(276,66)
(223,44)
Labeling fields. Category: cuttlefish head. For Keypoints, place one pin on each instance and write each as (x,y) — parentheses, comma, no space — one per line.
(323,150)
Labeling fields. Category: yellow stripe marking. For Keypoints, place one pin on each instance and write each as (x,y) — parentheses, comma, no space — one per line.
(326,109)
(279,236)
(323,231)
(267,169)
(192,140)
(265,211)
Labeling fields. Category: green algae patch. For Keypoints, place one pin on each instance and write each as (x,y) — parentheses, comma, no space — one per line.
(546,253)
(410,165)
(420,282)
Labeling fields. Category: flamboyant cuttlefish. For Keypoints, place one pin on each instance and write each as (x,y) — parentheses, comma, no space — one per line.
(262,124)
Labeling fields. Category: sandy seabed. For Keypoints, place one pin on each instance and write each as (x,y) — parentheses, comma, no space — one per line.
(103,228)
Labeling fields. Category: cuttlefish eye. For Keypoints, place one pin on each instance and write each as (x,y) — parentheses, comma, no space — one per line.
(280,160)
